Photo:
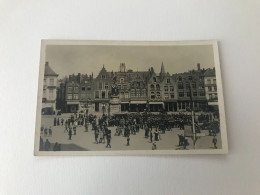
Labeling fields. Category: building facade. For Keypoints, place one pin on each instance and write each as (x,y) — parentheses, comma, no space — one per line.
(211,87)
(138,91)
(49,90)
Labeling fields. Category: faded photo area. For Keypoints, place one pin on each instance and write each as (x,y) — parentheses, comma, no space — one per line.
(129,97)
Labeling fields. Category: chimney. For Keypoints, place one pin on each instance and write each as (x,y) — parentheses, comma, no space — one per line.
(198,65)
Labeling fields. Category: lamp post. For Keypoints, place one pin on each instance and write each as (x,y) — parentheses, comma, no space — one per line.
(193,119)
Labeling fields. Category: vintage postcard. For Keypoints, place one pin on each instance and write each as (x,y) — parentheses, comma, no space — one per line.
(130,98)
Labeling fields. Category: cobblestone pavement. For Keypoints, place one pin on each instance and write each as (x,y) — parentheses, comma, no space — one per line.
(86,140)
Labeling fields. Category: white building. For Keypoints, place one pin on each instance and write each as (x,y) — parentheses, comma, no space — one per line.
(49,89)
(210,83)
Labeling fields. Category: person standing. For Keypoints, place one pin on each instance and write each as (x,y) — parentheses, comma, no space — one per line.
(96,136)
(50,132)
(47,145)
(151,136)
(41,143)
(214,141)
(108,140)
(70,133)
(128,141)
(156,137)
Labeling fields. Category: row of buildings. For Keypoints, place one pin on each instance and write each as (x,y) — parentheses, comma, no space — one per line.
(136,91)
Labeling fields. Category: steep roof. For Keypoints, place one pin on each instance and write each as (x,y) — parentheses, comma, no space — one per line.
(48,70)
(210,73)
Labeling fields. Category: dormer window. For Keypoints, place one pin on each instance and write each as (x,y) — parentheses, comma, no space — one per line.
(103,76)
(179,79)
(154,79)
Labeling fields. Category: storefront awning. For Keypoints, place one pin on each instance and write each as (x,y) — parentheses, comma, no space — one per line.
(71,103)
(138,102)
(155,102)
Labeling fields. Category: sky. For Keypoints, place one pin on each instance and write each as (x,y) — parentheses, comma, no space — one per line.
(85,59)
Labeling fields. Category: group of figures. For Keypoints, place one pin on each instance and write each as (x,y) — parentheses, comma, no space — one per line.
(153,125)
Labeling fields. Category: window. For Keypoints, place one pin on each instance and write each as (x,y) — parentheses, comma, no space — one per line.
(187,85)
(210,89)
(181,94)
(190,78)
(126,95)
(124,86)
(201,86)
(168,80)
(97,94)
(138,92)
(69,89)
(138,84)
(208,81)
(121,80)
(103,76)
(83,88)
(179,79)
(158,95)
(172,95)
(69,97)
(89,88)
(166,88)
(109,94)
(50,93)
(144,92)
(100,85)
(157,87)
(194,85)
(51,82)
(106,85)
(132,92)
(44,93)
(44,81)
(202,93)
(195,93)
(122,94)
(119,86)
(152,87)
(171,88)
(210,96)
(180,86)
(103,94)
(154,79)
(214,81)
(166,95)
(188,94)
(76,88)
(215,88)
(75,96)
(152,95)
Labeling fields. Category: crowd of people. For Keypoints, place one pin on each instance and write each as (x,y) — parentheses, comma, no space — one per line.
(152,125)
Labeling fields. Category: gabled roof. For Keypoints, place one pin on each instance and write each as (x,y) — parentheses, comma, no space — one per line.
(48,71)
(210,73)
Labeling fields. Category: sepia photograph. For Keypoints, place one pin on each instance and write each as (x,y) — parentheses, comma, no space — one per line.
(130,98)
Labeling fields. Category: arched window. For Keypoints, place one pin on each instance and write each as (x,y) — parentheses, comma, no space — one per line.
(154,79)
(152,87)
(158,87)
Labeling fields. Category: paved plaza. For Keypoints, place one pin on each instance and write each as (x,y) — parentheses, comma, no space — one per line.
(85,141)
